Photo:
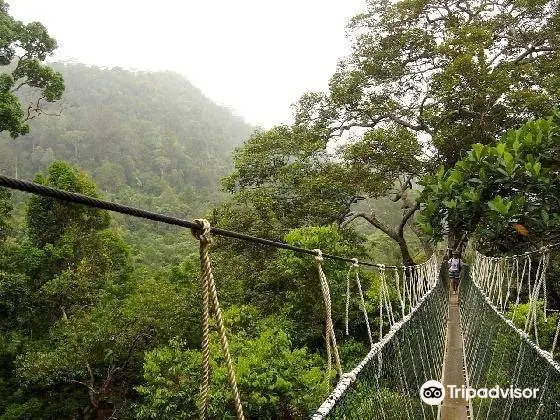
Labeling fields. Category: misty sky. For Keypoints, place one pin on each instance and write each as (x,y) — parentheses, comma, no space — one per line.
(255,56)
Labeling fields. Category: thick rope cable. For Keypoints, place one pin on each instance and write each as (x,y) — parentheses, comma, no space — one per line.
(209,290)
(72,197)
(330,336)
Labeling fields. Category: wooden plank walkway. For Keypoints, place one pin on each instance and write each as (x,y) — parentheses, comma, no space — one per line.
(453,373)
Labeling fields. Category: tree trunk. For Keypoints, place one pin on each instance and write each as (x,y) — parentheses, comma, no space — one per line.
(405,253)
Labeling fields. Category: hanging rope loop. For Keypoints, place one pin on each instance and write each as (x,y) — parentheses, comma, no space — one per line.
(355,266)
(210,297)
(330,337)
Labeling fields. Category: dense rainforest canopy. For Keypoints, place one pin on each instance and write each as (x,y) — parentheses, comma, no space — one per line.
(100,314)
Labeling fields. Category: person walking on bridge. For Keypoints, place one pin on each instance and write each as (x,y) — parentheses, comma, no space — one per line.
(455,265)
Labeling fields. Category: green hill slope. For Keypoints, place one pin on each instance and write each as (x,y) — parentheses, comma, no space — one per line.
(147,139)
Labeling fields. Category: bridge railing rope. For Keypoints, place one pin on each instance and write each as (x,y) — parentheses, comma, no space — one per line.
(502,305)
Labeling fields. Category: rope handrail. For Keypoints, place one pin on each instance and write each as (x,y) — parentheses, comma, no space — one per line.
(535,251)
(495,277)
(72,197)
(498,351)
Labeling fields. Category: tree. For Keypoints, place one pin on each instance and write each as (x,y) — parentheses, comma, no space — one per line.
(454,73)
(23,48)
(504,195)
(426,79)
(289,177)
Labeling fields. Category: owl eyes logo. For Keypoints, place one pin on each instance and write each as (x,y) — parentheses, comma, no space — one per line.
(432,392)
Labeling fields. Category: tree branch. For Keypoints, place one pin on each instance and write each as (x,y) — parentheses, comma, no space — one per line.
(407,215)
(530,50)
(373,220)
(404,123)
(25,82)
(406,185)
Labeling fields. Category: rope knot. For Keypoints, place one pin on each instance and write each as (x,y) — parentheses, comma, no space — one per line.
(202,232)
(319,256)
(381,267)
(355,262)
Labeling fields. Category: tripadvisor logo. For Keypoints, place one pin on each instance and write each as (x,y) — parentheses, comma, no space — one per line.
(433,392)
(494,392)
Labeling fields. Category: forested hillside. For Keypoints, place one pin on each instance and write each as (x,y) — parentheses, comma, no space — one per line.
(147,139)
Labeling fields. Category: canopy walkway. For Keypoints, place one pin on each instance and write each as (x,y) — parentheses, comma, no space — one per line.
(486,336)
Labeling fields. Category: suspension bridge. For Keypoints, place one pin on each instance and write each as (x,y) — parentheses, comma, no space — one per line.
(484,337)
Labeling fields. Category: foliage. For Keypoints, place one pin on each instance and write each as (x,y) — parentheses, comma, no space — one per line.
(23,48)
(80,324)
(275,380)
(49,219)
(289,177)
(67,264)
(100,317)
(506,193)
(546,327)
(5,210)
(424,81)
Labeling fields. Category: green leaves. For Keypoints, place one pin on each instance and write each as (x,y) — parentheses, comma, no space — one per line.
(500,149)
(24,47)
(500,206)
(274,378)
(495,188)
(447,79)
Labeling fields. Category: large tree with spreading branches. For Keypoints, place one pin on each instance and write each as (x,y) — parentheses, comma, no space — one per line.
(425,80)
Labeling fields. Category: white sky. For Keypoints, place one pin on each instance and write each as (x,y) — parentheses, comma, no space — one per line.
(255,56)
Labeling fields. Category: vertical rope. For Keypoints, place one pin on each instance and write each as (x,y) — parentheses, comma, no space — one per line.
(209,288)
(347,298)
(355,266)
(380,297)
(401,299)
(329,328)
(364,310)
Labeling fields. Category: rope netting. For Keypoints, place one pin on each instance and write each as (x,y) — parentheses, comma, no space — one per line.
(385,384)
(510,336)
